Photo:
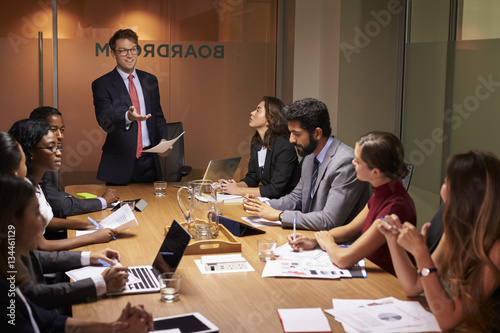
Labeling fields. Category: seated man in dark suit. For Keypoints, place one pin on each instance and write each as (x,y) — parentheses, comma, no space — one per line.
(62,203)
(62,295)
(328,194)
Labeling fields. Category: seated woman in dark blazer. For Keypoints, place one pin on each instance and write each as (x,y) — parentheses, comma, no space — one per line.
(273,160)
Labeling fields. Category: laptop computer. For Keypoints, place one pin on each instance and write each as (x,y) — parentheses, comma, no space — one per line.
(219,169)
(167,259)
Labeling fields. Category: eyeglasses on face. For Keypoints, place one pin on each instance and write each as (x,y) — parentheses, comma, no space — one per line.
(124,52)
(53,149)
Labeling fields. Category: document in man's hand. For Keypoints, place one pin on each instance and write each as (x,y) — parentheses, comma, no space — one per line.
(304,320)
(162,146)
(120,220)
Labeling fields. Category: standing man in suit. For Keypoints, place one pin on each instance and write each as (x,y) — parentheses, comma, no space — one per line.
(62,203)
(328,194)
(127,107)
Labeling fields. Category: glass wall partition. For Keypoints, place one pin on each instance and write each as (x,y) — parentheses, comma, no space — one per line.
(214,60)
(451,92)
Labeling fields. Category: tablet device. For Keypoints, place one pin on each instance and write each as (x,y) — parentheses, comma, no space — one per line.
(193,322)
(239,229)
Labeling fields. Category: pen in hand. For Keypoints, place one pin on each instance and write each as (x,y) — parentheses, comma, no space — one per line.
(104,263)
(294,227)
(98,225)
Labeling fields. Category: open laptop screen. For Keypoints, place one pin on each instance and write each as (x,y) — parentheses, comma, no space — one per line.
(173,248)
(222,169)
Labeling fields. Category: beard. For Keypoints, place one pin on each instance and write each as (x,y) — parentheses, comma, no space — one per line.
(309,149)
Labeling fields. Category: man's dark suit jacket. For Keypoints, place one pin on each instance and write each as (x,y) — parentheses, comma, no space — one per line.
(281,169)
(111,102)
(64,204)
(51,296)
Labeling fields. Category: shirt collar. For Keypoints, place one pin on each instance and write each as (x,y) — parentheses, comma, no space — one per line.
(322,153)
(125,75)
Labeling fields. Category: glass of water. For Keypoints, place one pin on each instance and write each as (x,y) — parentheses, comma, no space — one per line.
(170,285)
(160,188)
(266,249)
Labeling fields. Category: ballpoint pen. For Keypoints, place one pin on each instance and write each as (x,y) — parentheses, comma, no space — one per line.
(104,263)
(294,227)
(98,225)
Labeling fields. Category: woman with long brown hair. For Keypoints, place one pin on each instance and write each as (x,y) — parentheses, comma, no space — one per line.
(461,279)
(273,159)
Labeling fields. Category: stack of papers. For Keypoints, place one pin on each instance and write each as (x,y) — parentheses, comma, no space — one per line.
(383,315)
(120,220)
(308,264)
(304,320)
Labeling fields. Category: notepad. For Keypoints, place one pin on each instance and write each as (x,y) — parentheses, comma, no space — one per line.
(311,320)
(85,195)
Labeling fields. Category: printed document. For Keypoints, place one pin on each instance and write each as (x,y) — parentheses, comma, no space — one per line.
(162,146)
(383,315)
(120,220)
(308,264)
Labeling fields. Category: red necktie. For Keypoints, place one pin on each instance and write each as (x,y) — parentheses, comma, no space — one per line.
(135,102)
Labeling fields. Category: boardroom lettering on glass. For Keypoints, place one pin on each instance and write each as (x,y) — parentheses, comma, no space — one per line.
(172,51)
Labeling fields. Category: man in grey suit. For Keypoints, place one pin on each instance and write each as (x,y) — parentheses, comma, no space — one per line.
(328,194)
(63,295)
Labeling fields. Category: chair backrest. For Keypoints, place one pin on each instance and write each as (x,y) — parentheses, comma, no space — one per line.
(407,179)
(170,165)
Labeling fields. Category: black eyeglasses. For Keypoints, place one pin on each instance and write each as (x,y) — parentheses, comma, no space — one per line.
(124,52)
(53,149)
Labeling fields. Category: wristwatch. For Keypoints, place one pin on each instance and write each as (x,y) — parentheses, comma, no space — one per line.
(426,271)
(280,217)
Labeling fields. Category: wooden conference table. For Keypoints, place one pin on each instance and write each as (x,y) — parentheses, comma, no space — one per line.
(235,302)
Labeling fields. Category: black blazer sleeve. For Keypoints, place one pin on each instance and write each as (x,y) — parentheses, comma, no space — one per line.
(58,261)
(64,204)
(51,296)
(281,169)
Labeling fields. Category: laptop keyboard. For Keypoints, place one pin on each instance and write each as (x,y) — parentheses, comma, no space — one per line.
(149,280)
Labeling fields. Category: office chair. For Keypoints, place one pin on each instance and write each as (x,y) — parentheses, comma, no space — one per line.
(172,166)
(407,179)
